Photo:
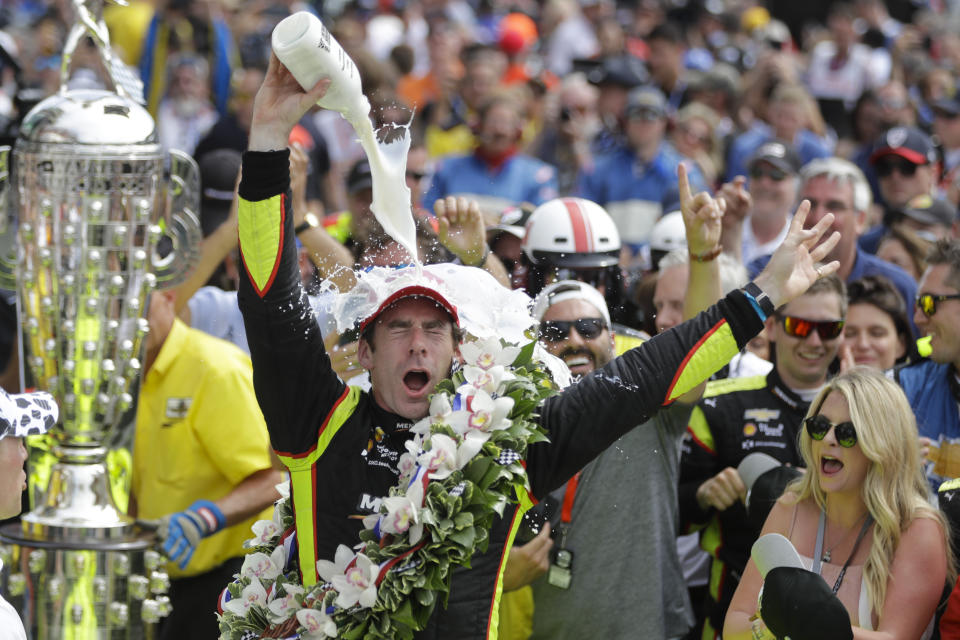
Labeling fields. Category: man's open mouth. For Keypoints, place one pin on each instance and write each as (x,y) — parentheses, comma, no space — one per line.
(416,380)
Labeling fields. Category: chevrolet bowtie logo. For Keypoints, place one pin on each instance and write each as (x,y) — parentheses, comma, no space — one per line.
(761,415)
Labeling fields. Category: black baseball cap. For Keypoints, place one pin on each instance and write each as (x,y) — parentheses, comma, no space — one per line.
(360,177)
(623,70)
(798,604)
(909,143)
(782,155)
(926,209)
(218,177)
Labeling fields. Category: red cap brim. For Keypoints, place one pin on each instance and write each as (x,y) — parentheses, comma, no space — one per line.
(907,154)
(415,291)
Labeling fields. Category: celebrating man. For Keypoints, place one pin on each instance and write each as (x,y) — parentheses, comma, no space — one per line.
(321,428)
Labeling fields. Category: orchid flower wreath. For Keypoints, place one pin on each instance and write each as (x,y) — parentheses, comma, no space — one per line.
(460,470)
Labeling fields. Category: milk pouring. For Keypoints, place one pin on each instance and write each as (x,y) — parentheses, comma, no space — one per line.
(308,50)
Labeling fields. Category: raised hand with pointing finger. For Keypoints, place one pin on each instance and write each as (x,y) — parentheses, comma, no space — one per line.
(702,217)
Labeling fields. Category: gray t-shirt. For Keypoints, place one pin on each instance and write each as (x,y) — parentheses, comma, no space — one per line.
(627,581)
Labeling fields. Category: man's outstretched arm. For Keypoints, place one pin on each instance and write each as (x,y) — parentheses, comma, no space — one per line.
(589,416)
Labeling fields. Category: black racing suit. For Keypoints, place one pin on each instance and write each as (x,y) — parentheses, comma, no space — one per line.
(736,417)
(342,448)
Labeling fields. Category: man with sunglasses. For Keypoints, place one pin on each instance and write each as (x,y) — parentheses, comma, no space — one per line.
(904,160)
(763,212)
(932,386)
(740,416)
(837,186)
(630,181)
(627,492)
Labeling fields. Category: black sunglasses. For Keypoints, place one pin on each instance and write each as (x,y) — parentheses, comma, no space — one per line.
(775,174)
(887,166)
(557,330)
(927,302)
(800,328)
(819,426)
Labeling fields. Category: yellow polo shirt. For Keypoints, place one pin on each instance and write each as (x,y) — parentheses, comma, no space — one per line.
(199,434)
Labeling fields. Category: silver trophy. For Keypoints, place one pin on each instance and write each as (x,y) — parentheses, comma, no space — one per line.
(98,216)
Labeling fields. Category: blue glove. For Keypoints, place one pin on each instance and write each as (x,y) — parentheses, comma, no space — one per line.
(182,531)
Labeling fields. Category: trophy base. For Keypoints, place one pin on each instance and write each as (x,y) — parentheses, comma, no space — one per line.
(77,507)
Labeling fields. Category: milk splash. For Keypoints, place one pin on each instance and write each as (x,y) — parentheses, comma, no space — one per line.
(308,50)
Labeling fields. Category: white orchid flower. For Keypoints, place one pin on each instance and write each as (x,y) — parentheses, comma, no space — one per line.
(489,380)
(317,624)
(358,584)
(486,414)
(446,456)
(488,353)
(252,594)
(260,565)
(283,606)
(264,531)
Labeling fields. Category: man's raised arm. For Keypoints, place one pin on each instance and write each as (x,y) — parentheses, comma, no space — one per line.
(294,382)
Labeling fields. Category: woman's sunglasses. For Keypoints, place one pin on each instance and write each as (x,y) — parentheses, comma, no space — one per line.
(800,328)
(927,302)
(557,330)
(819,426)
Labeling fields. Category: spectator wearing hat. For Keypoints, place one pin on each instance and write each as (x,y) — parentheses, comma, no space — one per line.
(21,415)
(496,174)
(904,160)
(763,212)
(615,76)
(630,181)
(929,217)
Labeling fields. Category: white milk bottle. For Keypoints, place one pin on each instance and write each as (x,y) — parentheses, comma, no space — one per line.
(305,47)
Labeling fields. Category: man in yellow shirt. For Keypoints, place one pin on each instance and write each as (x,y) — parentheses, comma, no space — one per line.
(201,463)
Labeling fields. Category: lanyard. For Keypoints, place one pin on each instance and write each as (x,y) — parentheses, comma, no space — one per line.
(818,549)
(569,495)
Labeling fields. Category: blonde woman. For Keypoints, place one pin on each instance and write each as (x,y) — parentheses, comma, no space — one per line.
(882,548)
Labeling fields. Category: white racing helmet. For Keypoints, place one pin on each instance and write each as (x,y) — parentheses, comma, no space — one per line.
(573,233)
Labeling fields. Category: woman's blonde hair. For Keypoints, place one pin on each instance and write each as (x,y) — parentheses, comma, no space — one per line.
(895,489)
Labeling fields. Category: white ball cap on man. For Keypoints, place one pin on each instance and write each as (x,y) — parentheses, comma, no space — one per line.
(569,290)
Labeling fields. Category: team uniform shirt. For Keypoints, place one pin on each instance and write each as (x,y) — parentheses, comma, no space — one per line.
(199,434)
(519,179)
(342,448)
(933,392)
(631,191)
(736,417)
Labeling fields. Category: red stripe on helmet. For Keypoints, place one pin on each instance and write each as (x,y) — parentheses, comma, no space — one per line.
(582,236)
